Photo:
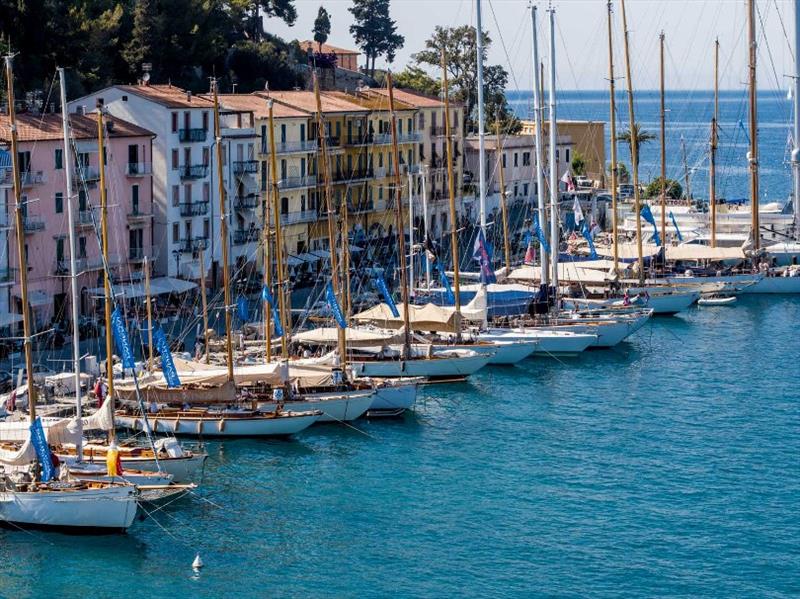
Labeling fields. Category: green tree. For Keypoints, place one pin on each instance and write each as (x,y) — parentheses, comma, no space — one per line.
(622,173)
(253,65)
(673,189)
(322,27)
(374,31)
(578,164)
(642,137)
(143,45)
(417,79)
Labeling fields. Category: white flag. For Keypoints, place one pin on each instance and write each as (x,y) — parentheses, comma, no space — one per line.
(578,211)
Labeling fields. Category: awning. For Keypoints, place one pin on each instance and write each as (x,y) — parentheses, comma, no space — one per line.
(158,286)
(294,261)
(171,285)
(307,257)
(322,254)
(354,337)
(693,251)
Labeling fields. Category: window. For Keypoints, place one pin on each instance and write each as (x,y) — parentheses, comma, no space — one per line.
(302,131)
(174,159)
(504,160)
(176,233)
(516,190)
(59,202)
(206,192)
(187,119)
(566,155)
(174,122)
(380,160)
(410,125)
(516,159)
(205,121)
(263,138)
(206,228)
(284,205)
(187,193)
(81,247)
(380,192)
(135,199)
(81,200)
(59,159)
(526,159)
(59,251)
(187,156)
(206,157)
(525,189)
(557,156)
(176,195)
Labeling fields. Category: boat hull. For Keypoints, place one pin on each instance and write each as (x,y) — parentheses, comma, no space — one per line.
(774,285)
(440,367)
(110,509)
(393,400)
(283,426)
(548,343)
(501,353)
(609,333)
(334,407)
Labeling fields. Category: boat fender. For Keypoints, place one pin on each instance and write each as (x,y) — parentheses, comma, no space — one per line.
(197,563)
(221,426)
(199,426)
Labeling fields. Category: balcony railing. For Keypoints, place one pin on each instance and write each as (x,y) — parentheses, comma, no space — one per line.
(246,202)
(243,236)
(437,131)
(245,167)
(193,208)
(29,179)
(361,207)
(291,147)
(87,173)
(192,244)
(85,218)
(352,175)
(193,171)
(32,224)
(138,254)
(85,264)
(139,169)
(294,218)
(136,215)
(297,182)
(189,135)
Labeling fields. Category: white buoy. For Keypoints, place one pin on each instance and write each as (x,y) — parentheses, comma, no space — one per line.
(197,563)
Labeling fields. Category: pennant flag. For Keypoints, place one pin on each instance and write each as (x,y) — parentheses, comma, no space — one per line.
(241,308)
(675,224)
(481,253)
(530,255)
(167,365)
(121,340)
(588,236)
(577,211)
(276,320)
(537,230)
(430,248)
(448,291)
(648,216)
(381,285)
(567,179)
(335,308)
(39,442)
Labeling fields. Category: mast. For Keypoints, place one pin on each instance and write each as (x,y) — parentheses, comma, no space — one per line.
(149,314)
(712,170)
(267,240)
(634,150)
(73,266)
(101,154)
(796,136)
(204,300)
(22,258)
(451,189)
(411,230)
(343,235)
(613,120)
(663,147)
(506,246)
(554,234)
(423,176)
(686,174)
(326,178)
(481,124)
(282,282)
(223,233)
(753,157)
(398,206)
(539,161)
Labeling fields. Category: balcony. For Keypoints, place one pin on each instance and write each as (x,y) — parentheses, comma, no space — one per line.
(352,176)
(87,264)
(296,218)
(292,147)
(437,131)
(85,218)
(138,216)
(6,275)
(191,245)
(362,207)
(297,182)
(243,236)
(139,169)
(191,135)
(87,174)
(246,202)
(245,167)
(138,254)
(29,179)
(193,208)
(193,171)
(33,224)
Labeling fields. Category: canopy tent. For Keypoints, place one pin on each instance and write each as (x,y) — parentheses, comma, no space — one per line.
(693,251)
(567,273)
(355,337)
(158,286)
(627,251)
(308,257)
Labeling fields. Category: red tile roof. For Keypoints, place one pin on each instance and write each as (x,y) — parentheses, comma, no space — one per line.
(326,48)
(168,95)
(44,127)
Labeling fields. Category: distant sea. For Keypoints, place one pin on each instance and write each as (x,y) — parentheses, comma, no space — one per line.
(688,117)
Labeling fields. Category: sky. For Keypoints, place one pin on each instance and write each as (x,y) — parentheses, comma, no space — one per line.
(690,27)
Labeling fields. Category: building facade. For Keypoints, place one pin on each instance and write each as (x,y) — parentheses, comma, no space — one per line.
(589,141)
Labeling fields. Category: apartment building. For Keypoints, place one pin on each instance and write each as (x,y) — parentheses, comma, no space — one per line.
(588,138)
(44,205)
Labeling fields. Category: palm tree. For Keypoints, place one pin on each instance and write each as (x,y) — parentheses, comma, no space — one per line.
(642,137)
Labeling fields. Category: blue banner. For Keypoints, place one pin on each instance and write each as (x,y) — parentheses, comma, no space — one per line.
(451,299)
(381,285)
(587,234)
(39,442)
(121,340)
(675,224)
(276,321)
(167,365)
(482,253)
(648,216)
(241,308)
(537,230)
(335,308)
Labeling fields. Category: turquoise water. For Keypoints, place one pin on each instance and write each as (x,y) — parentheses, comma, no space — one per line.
(667,466)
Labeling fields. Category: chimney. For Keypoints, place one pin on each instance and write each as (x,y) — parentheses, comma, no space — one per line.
(188,96)
(109,124)
(80,110)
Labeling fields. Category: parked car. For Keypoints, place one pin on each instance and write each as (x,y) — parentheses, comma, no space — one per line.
(625,192)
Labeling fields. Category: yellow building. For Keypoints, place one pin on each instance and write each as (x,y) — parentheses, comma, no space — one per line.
(588,138)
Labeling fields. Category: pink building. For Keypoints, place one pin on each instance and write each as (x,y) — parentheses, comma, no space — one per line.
(42,169)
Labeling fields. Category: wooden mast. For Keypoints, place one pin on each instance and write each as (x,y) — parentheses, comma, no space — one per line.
(101,159)
(276,214)
(753,154)
(712,170)
(503,209)
(267,240)
(451,187)
(634,150)
(398,208)
(613,119)
(22,257)
(204,300)
(330,209)
(223,233)
(149,314)
(687,181)
(663,148)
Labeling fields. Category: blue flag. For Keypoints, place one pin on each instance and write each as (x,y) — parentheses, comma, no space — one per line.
(381,285)
(588,236)
(537,230)
(241,308)
(648,216)
(167,365)
(675,224)
(335,308)
(482,253)
(448,291)
(121,340)
(276,321)
(39,442)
